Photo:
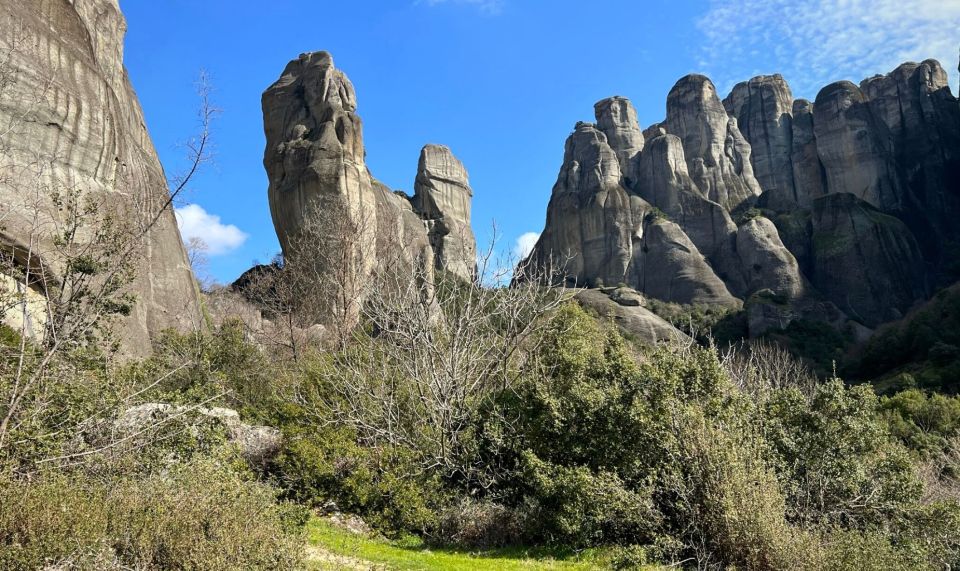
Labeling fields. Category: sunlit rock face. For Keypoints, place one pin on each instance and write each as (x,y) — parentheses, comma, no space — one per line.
(70,124)
(847,202)
(442,197)
(320,187)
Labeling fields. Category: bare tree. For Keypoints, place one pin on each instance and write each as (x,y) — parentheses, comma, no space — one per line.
(69,279)
(431,353)
(761,367)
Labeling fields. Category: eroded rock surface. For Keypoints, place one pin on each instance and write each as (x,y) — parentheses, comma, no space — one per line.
(320,186)
(849,202)
(442,196)
(71,123)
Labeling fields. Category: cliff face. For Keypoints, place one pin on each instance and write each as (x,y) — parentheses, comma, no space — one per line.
(70,120)
(851,200)
(320,184)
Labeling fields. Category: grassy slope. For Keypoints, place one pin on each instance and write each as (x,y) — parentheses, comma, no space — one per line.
(335,548)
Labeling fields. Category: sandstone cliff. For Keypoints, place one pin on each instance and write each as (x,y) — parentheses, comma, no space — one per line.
(71,122)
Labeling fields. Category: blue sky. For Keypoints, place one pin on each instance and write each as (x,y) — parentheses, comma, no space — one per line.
(501,82)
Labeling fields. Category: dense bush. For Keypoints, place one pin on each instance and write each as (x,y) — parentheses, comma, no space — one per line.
(924,346)
(200,515)
(80,490)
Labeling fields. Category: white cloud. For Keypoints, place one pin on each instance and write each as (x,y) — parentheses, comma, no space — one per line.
(490,7)
(816,42)
(525,244)
(195,222)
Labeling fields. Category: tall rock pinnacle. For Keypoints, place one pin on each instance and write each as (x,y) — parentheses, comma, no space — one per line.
(442,197)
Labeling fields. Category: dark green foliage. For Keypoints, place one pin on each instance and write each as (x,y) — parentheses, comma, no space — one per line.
(838,462)
(384,485)
(924,422)
(816,342)
(924,345)
(704,323)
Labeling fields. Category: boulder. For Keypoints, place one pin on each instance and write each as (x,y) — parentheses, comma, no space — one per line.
(257,444)
(635,320)
(766,262)
(669,267)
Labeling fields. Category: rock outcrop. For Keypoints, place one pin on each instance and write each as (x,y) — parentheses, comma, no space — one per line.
(71,123)
(617,118)
(323,197)
(865,261)
(442,197)
(718,156)
(629,313)
(763,107)
(840,210)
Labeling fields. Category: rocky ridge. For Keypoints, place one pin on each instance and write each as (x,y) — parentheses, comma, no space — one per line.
(839,207)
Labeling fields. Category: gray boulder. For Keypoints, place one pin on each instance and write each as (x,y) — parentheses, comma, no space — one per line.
(635,320)
(257,444)
(669,267)
(766,262)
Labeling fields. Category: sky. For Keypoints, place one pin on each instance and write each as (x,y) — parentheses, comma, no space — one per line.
(501,82)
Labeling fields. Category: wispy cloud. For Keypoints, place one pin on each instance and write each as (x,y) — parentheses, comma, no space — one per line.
(491,7)
(197,223)
(815,42)
(525,244)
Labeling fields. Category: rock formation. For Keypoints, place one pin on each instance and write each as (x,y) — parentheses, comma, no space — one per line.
(442,196)
(323,197)
(840,210)
(71,122)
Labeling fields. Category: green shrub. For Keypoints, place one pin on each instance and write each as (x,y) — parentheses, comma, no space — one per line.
(838,461)
(200,515)
(575,507)
(384,485)
(922,421)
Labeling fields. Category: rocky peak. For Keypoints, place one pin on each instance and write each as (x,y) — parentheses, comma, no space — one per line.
(855,147)
(860,186)
(590,164)
(617,118)
(718,156)
(763,109)
(315,154)
(442,198)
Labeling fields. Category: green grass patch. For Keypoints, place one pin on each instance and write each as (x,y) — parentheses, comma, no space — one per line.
(334,548)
